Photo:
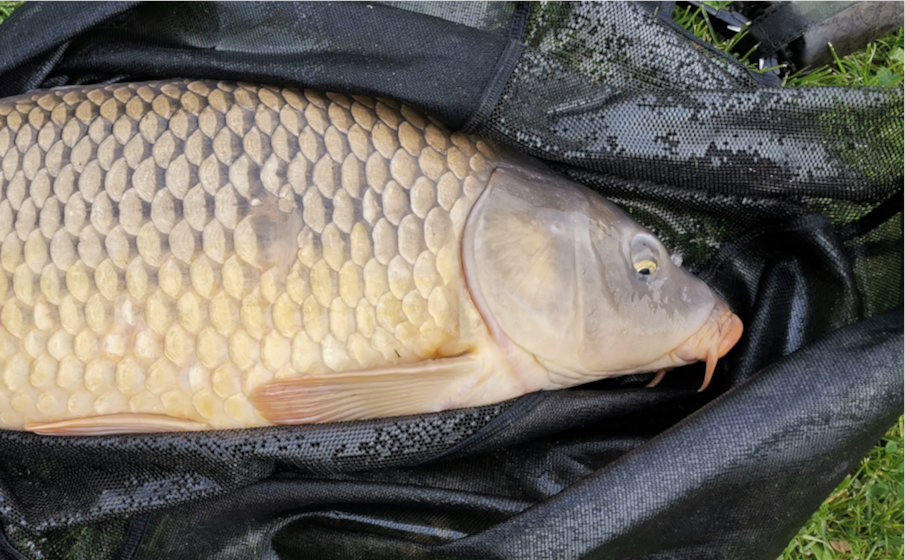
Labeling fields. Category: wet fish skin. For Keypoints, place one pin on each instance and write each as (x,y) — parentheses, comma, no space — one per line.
(193,255)
(113,284)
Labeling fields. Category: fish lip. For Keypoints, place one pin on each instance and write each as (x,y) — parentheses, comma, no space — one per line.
(720,332)
(712,341)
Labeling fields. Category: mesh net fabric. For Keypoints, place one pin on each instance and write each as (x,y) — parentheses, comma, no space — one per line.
(787,201)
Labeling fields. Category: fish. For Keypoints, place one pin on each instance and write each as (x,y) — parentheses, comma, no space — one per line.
(185,255)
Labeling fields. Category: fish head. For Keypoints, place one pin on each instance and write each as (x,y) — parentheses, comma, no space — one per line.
(573,280)
(639,309)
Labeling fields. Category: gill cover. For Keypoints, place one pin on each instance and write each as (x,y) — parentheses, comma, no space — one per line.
(572,279)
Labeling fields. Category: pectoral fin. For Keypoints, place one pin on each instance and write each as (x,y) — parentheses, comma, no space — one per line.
(112,424)
(420,387)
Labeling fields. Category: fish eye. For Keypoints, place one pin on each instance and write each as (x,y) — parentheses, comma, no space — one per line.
(644,253)
(646,267)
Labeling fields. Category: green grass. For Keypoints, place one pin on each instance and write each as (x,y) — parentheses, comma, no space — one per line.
(7,8)
(863,517)
(878,64)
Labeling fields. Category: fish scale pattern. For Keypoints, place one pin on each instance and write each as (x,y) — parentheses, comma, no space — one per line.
(168,247)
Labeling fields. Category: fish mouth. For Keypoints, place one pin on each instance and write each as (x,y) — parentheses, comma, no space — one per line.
(711,342)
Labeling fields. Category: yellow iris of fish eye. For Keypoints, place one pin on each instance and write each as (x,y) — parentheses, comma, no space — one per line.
(646,267)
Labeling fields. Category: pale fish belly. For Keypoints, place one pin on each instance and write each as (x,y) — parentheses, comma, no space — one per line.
(168,247)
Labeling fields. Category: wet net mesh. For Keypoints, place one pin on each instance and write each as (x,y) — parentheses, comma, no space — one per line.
(788,201)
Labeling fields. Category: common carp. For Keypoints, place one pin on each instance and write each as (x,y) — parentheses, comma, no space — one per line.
(182,255)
